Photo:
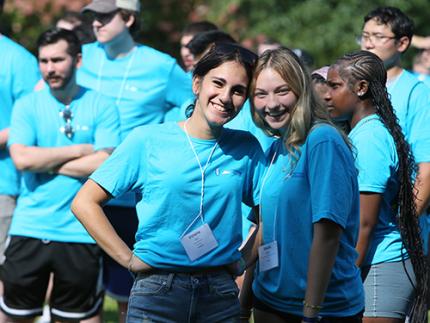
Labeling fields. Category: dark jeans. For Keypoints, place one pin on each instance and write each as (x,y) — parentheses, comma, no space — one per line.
(182,297)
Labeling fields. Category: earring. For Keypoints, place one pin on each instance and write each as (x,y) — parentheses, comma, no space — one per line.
(360,93)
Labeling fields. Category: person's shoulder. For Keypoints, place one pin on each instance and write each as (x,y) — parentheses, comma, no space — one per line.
(153,55)
(89,47)
(15,51)
(242,136)
(321,132)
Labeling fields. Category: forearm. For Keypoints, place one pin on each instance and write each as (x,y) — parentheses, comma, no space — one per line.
(420,41)
(249,250)
(322,256)
(90,213)
(83,166)
(4,135)
(45,159)
(364,238)
(246,294)
(422,187)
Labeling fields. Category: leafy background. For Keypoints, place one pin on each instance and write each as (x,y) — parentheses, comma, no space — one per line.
(325,28)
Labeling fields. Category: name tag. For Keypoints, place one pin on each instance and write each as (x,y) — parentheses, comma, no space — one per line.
(199,242)
(268,256)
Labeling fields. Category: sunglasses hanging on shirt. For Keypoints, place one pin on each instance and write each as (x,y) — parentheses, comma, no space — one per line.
(67,116)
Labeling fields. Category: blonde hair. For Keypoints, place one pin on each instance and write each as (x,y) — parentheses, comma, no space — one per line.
(308,110)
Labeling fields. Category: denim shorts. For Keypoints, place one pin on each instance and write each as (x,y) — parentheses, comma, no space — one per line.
(183,297)
(389,289)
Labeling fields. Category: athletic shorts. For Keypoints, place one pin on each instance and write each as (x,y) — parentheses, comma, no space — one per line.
(77,291)
(117,280)
(388,289)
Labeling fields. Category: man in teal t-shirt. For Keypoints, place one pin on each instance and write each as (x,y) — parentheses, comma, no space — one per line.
(58,137)
(387,32)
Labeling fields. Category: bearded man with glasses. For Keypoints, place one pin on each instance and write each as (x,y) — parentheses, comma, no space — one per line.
(58,137)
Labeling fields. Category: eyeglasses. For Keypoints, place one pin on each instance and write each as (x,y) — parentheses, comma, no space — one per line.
(103,18)
(67,129)
(375,39)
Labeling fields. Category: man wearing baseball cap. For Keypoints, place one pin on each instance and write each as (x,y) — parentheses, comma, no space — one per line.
(145,84)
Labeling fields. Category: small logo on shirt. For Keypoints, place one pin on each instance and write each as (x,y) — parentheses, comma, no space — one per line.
(225,172)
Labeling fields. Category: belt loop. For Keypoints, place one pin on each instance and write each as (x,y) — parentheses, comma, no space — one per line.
(170,280)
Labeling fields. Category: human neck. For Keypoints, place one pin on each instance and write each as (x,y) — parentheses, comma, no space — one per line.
(364,109)
(199,128)
(68,93)
(120,46)
(394,72)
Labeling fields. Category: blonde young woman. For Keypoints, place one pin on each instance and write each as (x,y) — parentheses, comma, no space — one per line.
(309,203)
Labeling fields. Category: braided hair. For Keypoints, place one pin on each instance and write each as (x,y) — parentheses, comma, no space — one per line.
(363,65)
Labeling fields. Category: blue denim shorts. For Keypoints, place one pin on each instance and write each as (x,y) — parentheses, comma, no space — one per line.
(183,297)
(388,289)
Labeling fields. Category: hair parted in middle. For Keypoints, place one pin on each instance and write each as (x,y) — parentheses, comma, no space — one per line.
(308,110)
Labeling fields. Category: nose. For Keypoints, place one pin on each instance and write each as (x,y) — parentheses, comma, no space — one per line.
(96,23)
(366,43)
(225,96)
(272,101)
(50,67)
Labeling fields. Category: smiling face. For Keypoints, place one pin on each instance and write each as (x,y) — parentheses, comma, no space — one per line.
(221,93)
(273,99)
(56,65)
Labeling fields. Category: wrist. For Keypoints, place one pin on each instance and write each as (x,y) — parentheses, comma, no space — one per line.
(311,310)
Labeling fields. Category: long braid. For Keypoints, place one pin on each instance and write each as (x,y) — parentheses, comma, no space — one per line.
(364,65)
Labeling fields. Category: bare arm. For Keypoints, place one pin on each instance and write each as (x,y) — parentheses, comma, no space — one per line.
(4,135)
(322,256)
(420,41)
(83,166)
(44,159)
(369,210)
(422,186)
(87,207)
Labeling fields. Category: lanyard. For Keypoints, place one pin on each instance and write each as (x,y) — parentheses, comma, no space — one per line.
(124,77)
(202,171)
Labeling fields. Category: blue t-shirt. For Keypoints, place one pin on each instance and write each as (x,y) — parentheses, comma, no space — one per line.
(322,185)
(157,163)
(425,78)
(43,208)
(18,76)
(144,84)
(411,102)
(377,164)
(148,86)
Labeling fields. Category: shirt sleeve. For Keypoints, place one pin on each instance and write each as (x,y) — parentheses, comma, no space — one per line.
(374,160)
(418,120)
(107,133)
(332,181)
(22,128)
(26,75)
(254,176)
(125,169)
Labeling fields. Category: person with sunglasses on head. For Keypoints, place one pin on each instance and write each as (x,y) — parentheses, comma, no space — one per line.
(191,178)
(390,251)
(309,204)
(58,137)
(387,33)
(147,86)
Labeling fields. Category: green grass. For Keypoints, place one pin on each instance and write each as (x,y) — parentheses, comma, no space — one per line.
(110,310)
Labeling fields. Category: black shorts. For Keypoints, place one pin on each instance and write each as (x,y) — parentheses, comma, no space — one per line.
(77,291)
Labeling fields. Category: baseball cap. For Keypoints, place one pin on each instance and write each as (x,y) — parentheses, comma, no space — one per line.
(107,6)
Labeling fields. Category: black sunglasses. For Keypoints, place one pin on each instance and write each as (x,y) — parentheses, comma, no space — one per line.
(103,18)
(68,128)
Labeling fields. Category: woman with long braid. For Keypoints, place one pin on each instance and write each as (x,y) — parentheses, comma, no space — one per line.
(389,247)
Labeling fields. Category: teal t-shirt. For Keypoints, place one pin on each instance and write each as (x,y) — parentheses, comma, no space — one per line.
(43,207)
(18,76)
(377,164)
(411,102)
(322,185)
(158,164)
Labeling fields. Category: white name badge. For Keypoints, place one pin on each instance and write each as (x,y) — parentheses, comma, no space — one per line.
(268,256)
(199,242)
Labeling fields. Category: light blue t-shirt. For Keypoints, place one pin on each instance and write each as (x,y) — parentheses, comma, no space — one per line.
(377,164)
(322,185)
(18,76)
(425,78)
(157,163)
(411,102)
(147,85)
(43,208)
(144,84)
